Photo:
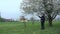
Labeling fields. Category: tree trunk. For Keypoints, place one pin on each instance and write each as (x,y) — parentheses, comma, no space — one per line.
(24,24)
(42,22)
(50,20)
(42,25)
(32,22)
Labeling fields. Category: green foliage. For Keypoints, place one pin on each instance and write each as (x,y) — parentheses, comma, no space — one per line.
(18,28)
(1,19)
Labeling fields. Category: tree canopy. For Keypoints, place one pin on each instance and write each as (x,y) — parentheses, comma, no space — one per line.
(48,7)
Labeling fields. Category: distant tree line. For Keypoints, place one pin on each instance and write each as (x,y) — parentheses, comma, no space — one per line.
(1,19)
(6,20)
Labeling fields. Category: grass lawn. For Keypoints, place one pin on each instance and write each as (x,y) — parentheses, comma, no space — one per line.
(18,28)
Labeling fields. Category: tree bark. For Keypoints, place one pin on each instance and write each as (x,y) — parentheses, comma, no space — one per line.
(42,25)
(42,22)
(50,20)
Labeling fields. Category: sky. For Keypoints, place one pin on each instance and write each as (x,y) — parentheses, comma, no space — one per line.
(10,9)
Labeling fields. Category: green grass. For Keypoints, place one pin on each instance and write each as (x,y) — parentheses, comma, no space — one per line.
(19,28)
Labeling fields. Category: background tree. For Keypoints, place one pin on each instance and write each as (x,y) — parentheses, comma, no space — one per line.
(1,19)
(32,19)
(23,20)
(51,8)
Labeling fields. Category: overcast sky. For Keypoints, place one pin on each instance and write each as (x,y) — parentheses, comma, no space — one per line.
(10,8)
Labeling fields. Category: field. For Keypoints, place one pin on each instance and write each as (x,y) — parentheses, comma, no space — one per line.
(19,28)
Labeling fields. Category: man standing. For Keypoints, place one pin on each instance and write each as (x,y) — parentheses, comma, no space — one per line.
(42,21)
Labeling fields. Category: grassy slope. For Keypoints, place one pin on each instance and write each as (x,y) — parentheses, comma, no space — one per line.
(18,28)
